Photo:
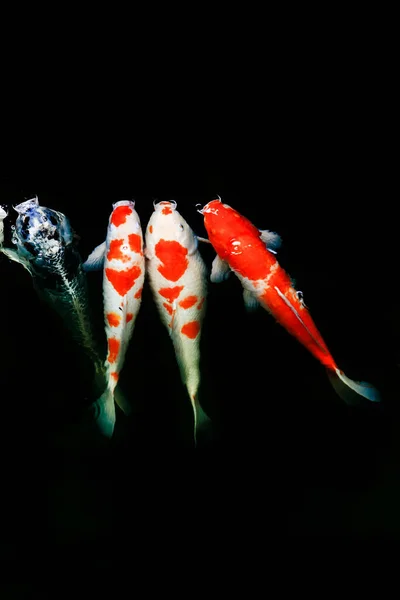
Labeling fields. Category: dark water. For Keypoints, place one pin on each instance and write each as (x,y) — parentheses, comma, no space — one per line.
(286,457)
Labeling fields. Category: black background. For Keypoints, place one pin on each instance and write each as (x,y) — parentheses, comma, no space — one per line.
(286,453)
(310,158)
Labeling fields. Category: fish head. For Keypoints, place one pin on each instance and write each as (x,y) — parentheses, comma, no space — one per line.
(3,213)
(168,224)
(40,233)
(124,218)
(220,221)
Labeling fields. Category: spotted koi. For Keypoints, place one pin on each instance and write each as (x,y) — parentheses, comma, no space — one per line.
(178,279)
(122,259)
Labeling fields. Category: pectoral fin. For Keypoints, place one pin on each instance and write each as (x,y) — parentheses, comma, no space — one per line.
(201,239)
(272,240)
(122,401)
(220,270)
(95,260)
(193,246)
(250,301)
(13,255)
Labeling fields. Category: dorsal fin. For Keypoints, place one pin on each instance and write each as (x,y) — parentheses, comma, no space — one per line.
(298,316)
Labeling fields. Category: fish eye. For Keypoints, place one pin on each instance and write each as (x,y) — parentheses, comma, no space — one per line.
(181,227)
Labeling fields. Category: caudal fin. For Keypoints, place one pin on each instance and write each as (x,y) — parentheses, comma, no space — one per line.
(105,413)
(122,401)
(351,391)
(201,420)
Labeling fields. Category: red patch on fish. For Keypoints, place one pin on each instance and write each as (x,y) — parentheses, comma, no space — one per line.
(258,261)
(151,228)
(115,252)
(191,329)
(129,317)
(119,215)
(168,307)
(188,302)
(135,242)
(122,281)
(139,293)
(115,375)
(113,349)
(200,305)
(173,258)
(166,210)
(113,319)
(236,240)
(171,294)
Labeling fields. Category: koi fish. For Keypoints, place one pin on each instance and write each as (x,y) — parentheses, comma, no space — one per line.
(177,276)
(250,254)
(46,248)
(122,259)
(3,215)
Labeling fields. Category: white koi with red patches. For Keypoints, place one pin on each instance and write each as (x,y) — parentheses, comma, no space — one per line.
(250,254)
(122,260)
(178,280)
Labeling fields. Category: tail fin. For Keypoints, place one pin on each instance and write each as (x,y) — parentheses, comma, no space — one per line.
(105,413)
(201,420)
(122,401)
(349,390)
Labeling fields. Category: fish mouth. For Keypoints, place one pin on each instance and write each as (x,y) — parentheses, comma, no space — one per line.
(209,209)
(130,203)
(23,207)
(171,203)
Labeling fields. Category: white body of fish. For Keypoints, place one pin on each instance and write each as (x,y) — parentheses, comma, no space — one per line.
(178,280)
(122,260)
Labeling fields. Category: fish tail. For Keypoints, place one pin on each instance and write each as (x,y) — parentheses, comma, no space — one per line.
(351,391)
(201,420)
(122,401)
(105,413)
(114,388)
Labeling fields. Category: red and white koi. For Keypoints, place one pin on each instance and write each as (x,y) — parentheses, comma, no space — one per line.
(250,254)
(122,259)
(178,280)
